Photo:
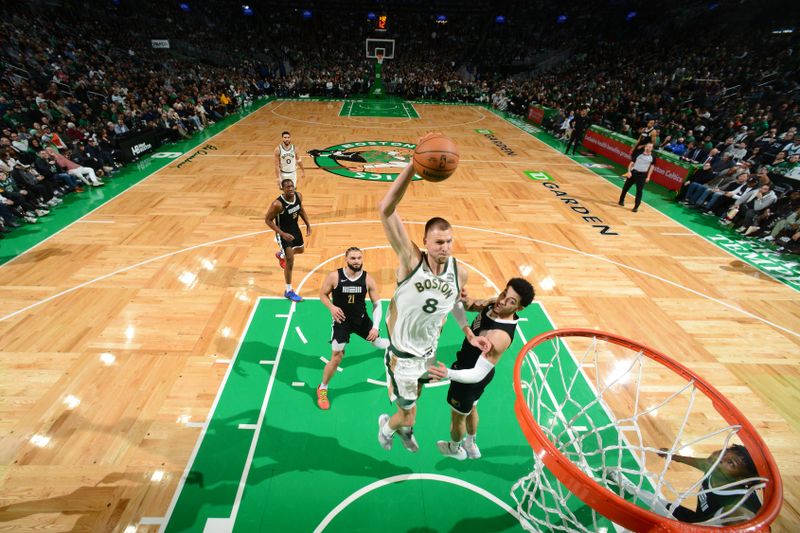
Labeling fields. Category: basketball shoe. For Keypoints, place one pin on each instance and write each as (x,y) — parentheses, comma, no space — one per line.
(408,439)
(322,399)
(293,296)
(446,449)
(385,442)
(471,447)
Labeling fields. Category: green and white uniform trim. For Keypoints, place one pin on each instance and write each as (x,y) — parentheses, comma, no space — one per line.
(419,309)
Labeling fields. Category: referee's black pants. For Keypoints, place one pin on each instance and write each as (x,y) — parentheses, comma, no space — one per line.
(637,178)
(574,141)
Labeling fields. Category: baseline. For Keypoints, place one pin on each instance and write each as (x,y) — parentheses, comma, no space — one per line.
(383,126)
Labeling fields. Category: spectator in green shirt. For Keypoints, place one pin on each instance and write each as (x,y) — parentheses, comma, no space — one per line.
(785,167)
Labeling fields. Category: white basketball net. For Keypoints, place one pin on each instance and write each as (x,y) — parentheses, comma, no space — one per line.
(599,411)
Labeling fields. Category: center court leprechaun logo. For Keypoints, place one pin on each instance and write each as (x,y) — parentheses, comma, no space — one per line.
(365,160)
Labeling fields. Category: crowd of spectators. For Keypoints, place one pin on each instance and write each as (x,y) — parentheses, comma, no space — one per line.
(67,102)
(74,86)
(736,183)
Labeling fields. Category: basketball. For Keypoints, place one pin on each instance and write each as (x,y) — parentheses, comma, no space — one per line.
(436,157)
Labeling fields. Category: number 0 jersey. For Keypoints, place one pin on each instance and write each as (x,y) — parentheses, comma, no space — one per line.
(288,159)
(419,309)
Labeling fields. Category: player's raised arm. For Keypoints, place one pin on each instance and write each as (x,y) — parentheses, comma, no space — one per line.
(406,251)
(473,304)
(700,463)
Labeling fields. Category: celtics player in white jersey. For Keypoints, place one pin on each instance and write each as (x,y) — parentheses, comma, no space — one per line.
(429,283)
(287,161)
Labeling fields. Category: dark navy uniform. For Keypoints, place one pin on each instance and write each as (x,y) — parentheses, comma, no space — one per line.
(350,296)
(644,138)
(711,503)
(287,222)
(462,397)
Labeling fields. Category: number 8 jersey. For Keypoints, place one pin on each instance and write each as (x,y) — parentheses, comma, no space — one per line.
(419,309)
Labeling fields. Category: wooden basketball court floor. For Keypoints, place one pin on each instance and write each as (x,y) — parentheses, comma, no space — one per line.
(117,334)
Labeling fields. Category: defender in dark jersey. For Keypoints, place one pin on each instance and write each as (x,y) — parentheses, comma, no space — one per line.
(281,217)
(472,372)
(349,287)
(647,134)
(725,496)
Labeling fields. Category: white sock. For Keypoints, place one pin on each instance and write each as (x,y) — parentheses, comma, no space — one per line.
(288,287)
(469,440)
(387,431)
(405,430)
(323,386)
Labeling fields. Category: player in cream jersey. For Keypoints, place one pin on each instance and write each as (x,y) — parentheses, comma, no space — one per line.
(287,161)
(419,309)
(429,287)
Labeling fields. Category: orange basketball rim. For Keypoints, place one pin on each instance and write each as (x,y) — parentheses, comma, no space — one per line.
(613,506)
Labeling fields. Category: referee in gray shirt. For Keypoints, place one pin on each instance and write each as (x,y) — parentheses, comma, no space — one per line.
(638,173)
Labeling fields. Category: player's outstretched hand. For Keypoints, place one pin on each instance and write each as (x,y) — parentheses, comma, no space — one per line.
(338,314)
(437,372)
(481,342)
(372,335)
(308,231)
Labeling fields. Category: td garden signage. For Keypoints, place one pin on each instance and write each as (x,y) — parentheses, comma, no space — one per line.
(365,160)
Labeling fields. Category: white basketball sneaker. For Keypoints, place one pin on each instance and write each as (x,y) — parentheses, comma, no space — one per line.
(448,451)
(473,452)
(385,442)
(408,440)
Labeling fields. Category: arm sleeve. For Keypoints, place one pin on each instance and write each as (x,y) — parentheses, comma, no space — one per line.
(471,375)
(377,314)
(460,315)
